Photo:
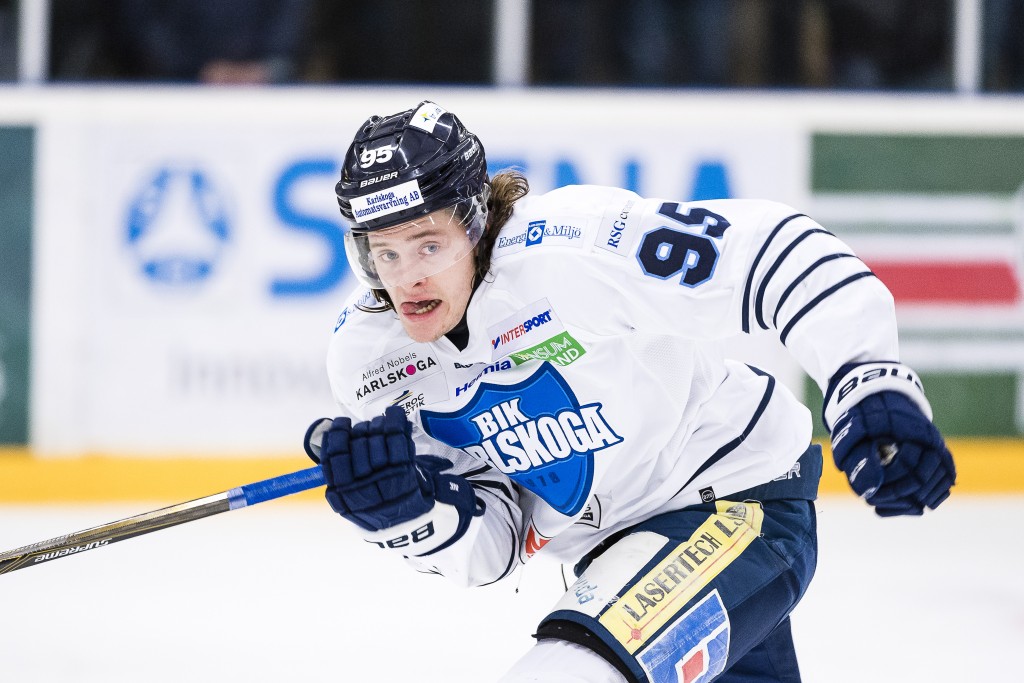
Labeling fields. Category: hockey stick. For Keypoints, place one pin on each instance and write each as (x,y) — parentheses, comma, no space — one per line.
(97,537)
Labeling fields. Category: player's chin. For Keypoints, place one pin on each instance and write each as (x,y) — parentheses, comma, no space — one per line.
(426,328)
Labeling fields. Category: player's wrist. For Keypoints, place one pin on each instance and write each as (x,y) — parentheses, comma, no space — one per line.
(854,383)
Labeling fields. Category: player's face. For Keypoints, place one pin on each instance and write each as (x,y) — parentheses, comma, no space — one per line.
(427,269)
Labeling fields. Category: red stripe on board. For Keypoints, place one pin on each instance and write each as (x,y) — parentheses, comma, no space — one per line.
(960,282)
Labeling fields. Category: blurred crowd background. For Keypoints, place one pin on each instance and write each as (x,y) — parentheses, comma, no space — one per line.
(813,44)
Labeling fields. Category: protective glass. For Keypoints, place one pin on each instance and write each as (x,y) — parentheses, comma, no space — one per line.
(418,249)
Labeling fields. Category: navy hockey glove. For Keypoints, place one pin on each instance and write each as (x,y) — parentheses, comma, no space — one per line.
(376,480)
(884,441)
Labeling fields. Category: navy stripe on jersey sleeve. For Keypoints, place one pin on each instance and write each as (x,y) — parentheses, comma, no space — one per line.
(753,268)
(759,299)
(732,445)
(479,470)
(818,299)
(803,276)
(495,486)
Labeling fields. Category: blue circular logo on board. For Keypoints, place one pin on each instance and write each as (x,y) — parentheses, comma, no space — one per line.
(177,226)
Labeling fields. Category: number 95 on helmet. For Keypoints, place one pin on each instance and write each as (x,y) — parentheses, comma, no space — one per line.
(406,179)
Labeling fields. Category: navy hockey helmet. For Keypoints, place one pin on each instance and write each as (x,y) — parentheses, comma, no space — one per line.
(402,168)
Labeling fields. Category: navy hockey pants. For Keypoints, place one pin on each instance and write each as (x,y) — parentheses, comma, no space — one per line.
(709,591)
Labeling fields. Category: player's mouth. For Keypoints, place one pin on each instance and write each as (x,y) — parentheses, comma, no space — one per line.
(418,309)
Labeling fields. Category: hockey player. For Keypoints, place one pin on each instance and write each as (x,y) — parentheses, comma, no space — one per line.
(533,374)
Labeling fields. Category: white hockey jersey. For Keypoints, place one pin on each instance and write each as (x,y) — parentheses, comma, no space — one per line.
(591,395)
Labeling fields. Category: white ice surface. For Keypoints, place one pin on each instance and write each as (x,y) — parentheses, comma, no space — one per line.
(285,592)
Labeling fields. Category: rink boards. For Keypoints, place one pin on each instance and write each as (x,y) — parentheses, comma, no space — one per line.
(985,466)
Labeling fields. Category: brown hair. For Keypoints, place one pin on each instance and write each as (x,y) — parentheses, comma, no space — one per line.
(507,187)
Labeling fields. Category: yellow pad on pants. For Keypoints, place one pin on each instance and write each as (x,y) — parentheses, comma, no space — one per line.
(657,596)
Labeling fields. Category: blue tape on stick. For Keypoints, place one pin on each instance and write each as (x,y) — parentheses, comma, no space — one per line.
(284,485)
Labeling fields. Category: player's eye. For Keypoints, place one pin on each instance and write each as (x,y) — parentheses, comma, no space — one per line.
(386,256)
(430,248)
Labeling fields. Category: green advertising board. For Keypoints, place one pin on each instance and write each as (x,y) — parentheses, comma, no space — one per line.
(939,192)
(16,163)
